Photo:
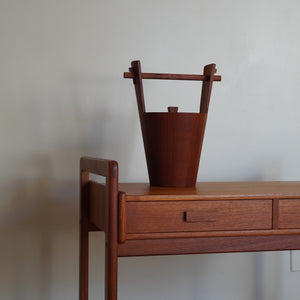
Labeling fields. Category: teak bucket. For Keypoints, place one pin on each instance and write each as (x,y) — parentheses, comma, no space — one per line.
(173,140)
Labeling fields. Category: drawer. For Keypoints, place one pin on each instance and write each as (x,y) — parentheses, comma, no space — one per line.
(289,213)
(183,216)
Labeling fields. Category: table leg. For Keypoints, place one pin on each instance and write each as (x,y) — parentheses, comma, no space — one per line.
(84,239)
(111,271)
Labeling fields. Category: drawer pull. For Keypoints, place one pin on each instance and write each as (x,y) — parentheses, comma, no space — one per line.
(206,216)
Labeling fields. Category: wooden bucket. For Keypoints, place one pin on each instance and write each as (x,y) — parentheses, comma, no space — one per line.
(173,140)
(173,143)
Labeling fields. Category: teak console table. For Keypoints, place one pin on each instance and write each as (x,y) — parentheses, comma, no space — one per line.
(213,217)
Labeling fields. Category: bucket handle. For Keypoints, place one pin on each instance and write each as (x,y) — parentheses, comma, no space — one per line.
(208,77)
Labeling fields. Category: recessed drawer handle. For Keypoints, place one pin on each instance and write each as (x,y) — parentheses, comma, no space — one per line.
(207,216)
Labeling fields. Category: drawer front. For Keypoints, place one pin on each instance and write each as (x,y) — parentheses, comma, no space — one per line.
(182,216)
(289,214)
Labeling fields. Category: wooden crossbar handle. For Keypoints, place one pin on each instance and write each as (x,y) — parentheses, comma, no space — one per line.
(173,76)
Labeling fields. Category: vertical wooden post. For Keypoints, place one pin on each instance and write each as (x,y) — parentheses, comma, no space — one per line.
(84,237)
(139,91)
(208,72)
(138,84)
(111,234)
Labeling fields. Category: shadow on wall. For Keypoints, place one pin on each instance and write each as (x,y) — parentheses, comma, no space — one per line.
(106,121)
(39,196)
(39,238)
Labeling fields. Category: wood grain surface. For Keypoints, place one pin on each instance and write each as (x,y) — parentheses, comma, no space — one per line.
(213,190)
(187,216)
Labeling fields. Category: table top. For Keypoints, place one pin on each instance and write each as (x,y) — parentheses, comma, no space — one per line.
(213,190)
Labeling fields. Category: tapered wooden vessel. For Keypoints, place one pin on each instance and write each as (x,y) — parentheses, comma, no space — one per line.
(173,143)
(173,140)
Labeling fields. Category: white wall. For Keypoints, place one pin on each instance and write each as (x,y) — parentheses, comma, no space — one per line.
(62,96)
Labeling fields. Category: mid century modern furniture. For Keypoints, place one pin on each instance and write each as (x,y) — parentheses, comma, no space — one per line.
(212,217)
(172,139)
